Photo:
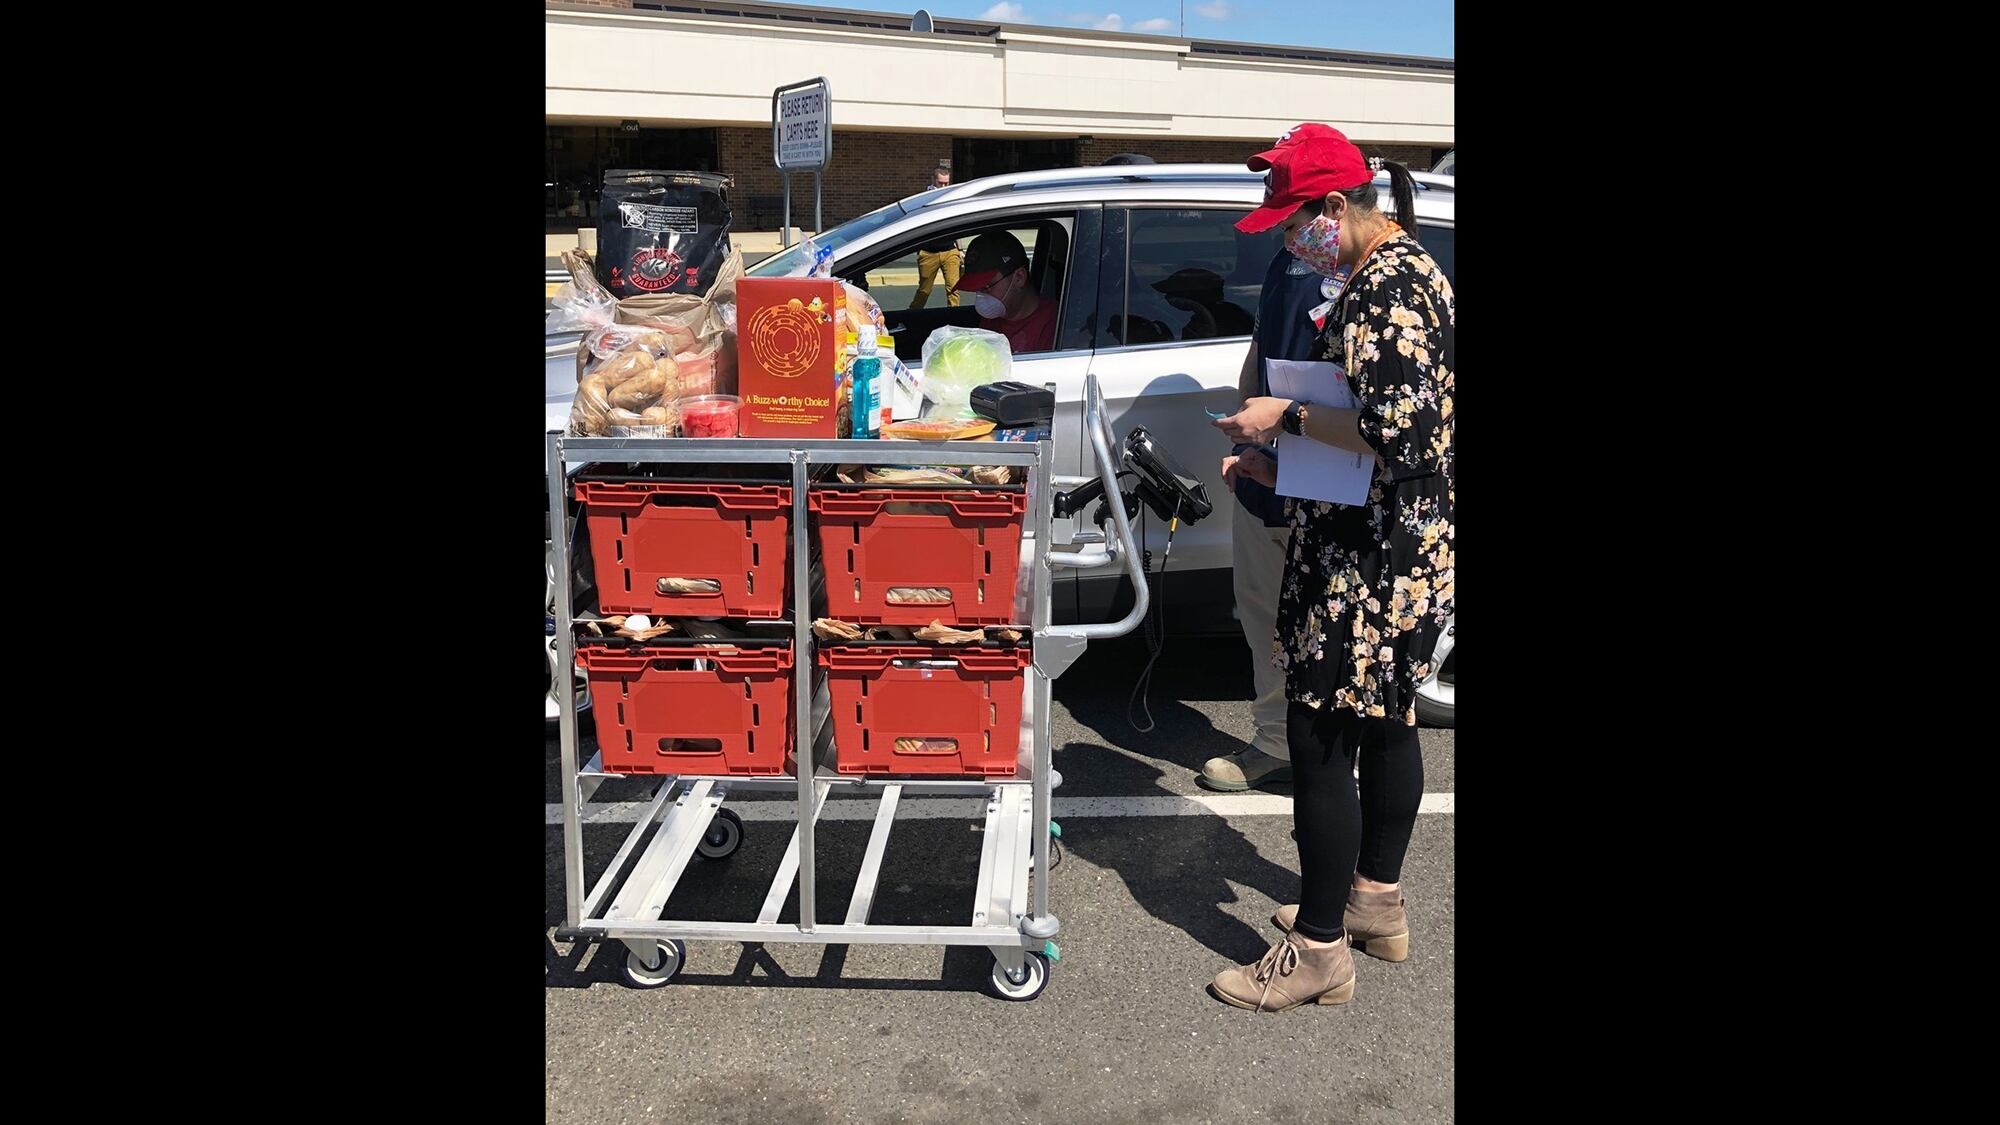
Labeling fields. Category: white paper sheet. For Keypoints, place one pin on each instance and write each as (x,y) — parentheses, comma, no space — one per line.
(1314,470)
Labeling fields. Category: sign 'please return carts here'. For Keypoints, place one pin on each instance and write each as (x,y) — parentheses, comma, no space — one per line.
(802,126)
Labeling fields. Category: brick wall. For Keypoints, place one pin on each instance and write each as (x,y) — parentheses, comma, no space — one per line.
(869,170)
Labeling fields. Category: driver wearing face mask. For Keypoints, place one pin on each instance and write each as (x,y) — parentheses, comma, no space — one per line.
(996,278)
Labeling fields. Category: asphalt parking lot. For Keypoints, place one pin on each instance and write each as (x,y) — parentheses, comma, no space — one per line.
(1161,886)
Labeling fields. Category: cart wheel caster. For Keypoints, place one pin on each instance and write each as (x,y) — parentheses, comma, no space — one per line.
(1034,978)
(724,835)
(671,955)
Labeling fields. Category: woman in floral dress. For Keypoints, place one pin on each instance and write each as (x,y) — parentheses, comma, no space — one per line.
(1367,587)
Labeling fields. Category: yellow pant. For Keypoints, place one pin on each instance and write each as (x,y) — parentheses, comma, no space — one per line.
(929,265)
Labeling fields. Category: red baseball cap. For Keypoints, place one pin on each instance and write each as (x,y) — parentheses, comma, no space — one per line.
(1308,162)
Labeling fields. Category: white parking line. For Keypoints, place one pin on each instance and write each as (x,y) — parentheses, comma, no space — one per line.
(973,808)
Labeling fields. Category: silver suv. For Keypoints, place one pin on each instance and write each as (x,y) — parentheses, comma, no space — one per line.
(1156,293)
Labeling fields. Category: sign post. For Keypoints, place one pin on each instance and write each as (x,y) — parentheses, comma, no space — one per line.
(802,140)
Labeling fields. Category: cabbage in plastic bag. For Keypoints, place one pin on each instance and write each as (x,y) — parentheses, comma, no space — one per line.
(958,359)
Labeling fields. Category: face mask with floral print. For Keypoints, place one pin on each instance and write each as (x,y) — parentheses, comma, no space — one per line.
(1317,244)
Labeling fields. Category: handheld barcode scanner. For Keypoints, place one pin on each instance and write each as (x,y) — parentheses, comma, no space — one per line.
(1158,481)
(1171,491)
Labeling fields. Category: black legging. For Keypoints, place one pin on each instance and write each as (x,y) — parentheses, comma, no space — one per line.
(1340,833)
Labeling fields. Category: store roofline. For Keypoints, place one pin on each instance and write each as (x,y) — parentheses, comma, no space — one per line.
(859,19)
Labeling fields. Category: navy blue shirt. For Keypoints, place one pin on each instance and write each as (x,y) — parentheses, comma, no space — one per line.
(1284,331)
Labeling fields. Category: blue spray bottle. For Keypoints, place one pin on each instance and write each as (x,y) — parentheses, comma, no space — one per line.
(867,409)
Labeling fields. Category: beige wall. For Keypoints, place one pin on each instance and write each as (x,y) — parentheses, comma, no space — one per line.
(611,64)
(1100,149)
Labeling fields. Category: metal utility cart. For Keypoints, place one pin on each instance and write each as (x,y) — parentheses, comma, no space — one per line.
(627,900)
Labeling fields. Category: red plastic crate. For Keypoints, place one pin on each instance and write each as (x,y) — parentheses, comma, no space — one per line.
(642,531)
(658,713)
(878,540)
(963,703)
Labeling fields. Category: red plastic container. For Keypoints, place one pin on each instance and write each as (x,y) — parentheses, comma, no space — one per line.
(710,416)
(734,533)
(879,542)
(659,712)
(935,710)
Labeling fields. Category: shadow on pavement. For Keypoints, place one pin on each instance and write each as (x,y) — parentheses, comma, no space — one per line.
(1179,868)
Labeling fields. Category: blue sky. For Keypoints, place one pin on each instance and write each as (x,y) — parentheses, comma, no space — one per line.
(1401,27)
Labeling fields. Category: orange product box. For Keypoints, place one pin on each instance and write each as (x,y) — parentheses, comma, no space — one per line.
(787,355)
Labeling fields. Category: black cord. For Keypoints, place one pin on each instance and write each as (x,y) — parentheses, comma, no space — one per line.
(1156,631)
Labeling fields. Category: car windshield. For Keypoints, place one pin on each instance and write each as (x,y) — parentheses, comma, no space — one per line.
(797,258)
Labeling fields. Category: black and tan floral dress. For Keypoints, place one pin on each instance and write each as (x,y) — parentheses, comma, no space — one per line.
(1367,587)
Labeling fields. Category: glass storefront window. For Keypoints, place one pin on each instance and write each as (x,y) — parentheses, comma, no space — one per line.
(578,155)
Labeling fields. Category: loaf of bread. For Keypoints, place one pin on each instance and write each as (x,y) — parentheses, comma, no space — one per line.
(828,629)
(672,390)
(657,385)
(688,586)
(635,393)
(640,391)
(588,413)
(626,366)
(939,633)
(632,337)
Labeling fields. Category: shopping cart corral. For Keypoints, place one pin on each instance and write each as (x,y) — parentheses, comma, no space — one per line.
(1009,909)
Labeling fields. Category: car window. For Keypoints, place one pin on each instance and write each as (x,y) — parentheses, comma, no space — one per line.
(1191,275)
(1437,242)
(894,283)
(892,276)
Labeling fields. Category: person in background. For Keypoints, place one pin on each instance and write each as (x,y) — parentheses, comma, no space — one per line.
(1259,527)
(1201,293)
(1128,158)
(940,257)
(996,275)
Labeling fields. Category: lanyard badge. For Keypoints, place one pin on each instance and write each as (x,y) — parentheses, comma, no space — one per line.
(1331,288)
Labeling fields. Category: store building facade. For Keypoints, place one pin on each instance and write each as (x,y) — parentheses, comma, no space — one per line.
(633,84)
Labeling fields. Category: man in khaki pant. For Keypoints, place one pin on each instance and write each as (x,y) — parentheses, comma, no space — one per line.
(1257,558)
(939,257)
(1259,532)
